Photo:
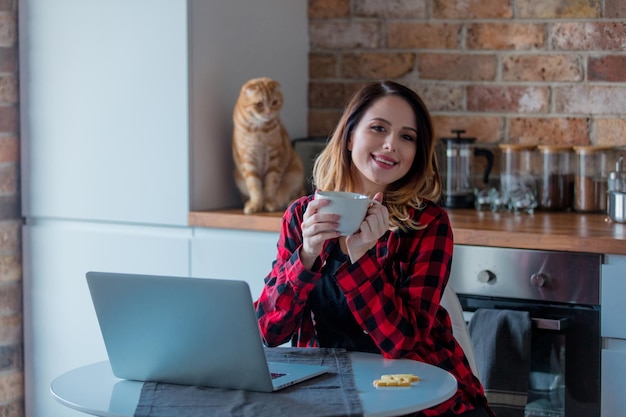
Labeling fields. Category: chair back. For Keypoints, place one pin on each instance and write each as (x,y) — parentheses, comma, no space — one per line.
(450,301)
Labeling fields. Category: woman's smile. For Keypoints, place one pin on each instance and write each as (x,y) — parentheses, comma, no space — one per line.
(384,162)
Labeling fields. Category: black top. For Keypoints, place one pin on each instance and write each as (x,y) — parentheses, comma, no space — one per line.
(335,325)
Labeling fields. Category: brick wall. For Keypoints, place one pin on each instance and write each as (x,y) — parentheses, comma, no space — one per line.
(11,356)
(518,71)
(550,71)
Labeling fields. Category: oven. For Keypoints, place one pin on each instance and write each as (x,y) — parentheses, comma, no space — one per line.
(561,293)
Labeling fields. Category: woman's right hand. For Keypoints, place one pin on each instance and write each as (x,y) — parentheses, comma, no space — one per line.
(317,228)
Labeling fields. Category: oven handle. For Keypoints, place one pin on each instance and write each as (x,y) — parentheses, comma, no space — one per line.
(550,324)
(538,323)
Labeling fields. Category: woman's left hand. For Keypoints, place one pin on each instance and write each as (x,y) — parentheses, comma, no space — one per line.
(373,227)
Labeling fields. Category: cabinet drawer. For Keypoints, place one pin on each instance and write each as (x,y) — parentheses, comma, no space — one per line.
(612,296)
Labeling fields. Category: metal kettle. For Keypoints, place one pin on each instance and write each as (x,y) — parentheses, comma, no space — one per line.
(616,195)
(456,158)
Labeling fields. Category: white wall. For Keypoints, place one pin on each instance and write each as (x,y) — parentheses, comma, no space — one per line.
(231,42)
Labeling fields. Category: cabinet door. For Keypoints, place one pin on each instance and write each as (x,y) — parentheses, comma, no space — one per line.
(105,123)
(612,301)
(233,254)
(613,401)
(61,331)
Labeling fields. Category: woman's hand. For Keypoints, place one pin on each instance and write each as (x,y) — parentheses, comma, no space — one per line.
(373,227)
(317,228)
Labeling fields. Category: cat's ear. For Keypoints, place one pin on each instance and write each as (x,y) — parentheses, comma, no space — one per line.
(249,91)
(274,84)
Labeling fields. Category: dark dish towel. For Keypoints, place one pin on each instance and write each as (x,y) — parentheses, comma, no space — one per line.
(330,395)
(501,340)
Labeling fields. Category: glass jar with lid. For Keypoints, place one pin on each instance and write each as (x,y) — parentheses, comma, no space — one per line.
(590,184)
(556,177)
(518,177)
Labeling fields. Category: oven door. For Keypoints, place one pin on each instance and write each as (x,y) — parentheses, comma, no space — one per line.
(564,378)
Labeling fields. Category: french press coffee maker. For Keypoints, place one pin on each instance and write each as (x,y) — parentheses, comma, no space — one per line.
(456,156)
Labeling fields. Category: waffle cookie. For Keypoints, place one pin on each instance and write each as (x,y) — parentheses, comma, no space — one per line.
(396,380)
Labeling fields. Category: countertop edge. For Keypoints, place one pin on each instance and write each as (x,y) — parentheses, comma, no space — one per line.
(569,232)
(522,240)
(236,219)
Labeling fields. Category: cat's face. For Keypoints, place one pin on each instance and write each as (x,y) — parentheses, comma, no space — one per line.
(261,99)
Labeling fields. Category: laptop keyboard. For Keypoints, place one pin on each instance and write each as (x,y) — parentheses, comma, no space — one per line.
(275,375)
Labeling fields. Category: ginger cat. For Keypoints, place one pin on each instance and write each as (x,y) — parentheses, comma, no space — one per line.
(268,171)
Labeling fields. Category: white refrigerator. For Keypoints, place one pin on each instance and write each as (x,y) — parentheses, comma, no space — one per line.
(119,105)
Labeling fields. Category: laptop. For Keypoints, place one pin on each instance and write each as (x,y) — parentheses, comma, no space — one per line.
(189,331)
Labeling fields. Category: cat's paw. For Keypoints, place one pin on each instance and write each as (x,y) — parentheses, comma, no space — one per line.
(252,207)
(272,205)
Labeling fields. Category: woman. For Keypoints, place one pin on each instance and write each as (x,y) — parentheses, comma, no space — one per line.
(379,289)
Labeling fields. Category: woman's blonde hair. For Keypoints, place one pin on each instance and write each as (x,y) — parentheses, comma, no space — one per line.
(332,169)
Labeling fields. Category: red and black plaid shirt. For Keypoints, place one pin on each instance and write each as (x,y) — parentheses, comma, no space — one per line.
(393,292)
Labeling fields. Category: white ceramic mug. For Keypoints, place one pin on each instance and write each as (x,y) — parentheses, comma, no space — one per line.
(352,207)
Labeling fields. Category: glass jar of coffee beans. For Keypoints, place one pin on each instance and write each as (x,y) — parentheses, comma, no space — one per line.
(590,184)
(556,182)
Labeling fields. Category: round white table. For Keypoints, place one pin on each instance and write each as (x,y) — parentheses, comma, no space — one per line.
(93,389)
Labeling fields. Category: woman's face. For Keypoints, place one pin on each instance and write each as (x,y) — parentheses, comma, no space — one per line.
(383,144)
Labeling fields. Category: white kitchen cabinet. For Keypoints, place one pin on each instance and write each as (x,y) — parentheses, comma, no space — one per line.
(233,254)
(613,402)
(61,331)
(612,300)
(105,108)
(126,114)
(613,375)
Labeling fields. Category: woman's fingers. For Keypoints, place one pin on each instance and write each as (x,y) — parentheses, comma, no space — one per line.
(317,227)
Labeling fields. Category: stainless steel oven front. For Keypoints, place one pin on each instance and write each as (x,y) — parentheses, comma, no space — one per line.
(561,292)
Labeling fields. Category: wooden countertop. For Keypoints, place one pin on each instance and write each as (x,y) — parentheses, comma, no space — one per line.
(560,231)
